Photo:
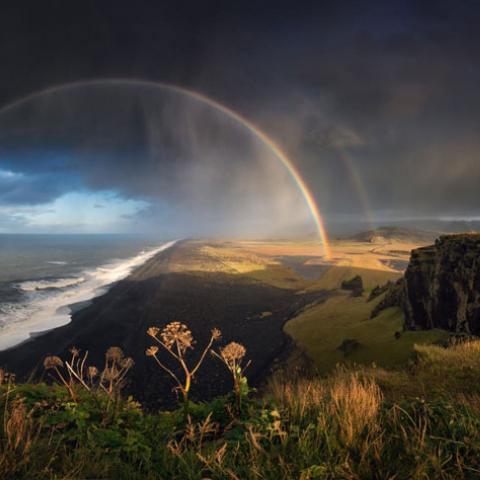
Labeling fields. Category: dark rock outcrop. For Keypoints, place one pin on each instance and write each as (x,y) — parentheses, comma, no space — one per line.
(395,234)
(355,284)
(394,297)
(442,285)
(378,290)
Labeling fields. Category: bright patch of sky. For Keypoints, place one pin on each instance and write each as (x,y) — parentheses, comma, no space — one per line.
(74,212)
(9,175)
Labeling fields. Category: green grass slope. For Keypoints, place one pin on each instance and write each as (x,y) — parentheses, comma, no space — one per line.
(321,329)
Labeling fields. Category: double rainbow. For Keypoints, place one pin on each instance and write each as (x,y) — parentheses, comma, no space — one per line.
(257,132)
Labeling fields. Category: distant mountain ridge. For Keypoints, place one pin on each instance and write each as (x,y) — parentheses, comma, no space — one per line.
(391,234)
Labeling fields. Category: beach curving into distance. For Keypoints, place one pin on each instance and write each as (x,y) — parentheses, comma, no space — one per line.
(51,303)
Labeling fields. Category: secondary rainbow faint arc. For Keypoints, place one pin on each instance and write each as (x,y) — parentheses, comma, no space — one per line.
(257,132)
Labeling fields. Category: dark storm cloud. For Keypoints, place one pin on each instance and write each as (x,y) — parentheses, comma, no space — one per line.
(27,189)
(392,84)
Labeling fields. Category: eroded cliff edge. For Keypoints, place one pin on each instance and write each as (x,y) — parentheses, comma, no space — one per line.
(441,286)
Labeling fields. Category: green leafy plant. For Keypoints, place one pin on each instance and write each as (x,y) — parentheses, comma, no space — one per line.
(232,356)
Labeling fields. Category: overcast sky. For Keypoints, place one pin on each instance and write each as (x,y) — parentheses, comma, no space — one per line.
(376,103)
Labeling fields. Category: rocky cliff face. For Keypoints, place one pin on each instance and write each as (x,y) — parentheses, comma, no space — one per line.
(442,285)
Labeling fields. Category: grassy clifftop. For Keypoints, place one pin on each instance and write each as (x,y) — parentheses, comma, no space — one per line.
(421,423)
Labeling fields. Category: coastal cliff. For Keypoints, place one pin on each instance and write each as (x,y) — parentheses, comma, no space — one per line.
(442,285)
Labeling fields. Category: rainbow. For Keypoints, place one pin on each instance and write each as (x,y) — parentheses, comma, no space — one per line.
(356,179)
(257,132)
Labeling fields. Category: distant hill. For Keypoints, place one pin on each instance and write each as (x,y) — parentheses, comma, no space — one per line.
(399,234)
(462,226)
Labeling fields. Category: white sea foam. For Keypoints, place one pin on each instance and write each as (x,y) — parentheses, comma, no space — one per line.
(35,285)
(57,262)
(47,301)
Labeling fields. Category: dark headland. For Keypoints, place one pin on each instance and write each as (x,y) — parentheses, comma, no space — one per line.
(187,284)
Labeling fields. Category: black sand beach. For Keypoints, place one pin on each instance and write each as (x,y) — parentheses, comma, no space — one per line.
(158,293)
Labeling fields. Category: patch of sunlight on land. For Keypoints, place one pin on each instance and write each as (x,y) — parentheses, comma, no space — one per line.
(374,262)
(344,253)
(321,330)
(228,257)
(334,275)
(215,257)
(236,260)
(273,248)
(384,256)
(266,261)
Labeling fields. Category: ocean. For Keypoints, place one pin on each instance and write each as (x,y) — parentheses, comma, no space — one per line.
(45,278)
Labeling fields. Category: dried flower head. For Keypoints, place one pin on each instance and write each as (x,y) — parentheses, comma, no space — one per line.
(216,334)
(178,333)
(153,331)
(233,353)
(74,351)
(115,354)
(52,361)
(151,351)
(92,372)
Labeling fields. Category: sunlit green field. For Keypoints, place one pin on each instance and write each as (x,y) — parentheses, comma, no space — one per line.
(322,329)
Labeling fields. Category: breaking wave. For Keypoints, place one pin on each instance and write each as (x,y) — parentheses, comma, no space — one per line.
(47,303)
(35,285)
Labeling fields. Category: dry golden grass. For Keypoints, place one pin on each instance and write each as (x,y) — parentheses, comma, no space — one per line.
(355,404)
(301,395)
(18,432)
(466,354)
(350,400)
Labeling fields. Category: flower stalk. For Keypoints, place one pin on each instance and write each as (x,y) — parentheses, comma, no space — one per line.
(232,356)
(176,339)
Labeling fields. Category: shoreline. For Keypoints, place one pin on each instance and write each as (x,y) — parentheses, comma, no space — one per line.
(157,293)
(56,314)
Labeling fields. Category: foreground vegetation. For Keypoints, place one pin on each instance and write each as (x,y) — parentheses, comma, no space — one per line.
(421,422)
